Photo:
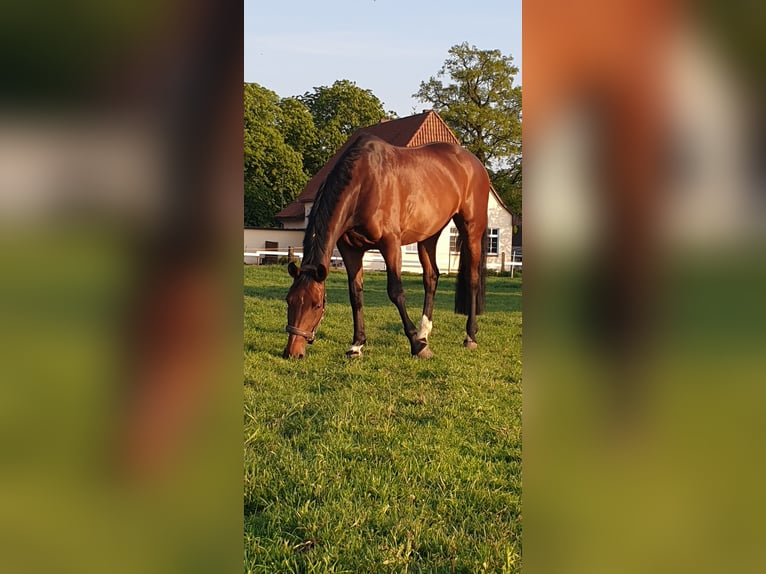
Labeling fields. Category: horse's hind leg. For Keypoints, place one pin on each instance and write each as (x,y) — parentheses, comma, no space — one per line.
(470,274)
(352,259)
(427,255)
(392,254)
(471,326)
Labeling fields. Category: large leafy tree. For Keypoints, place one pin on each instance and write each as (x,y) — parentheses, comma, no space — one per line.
(507,183)
(276,133)
(474,93)
(297,126)
(338,110)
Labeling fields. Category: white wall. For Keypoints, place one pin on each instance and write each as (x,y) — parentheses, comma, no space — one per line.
(500,218)
(255,239)
(294,224)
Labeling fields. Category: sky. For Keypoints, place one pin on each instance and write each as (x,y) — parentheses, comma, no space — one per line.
(387,46)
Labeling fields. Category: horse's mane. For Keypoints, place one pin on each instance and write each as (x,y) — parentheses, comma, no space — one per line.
(327,200)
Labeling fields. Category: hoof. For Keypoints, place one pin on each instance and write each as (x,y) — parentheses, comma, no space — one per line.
(354,351)
(470,344)
(425,353)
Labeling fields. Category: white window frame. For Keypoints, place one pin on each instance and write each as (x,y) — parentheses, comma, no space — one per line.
(454,237)
(493,233)
(411,248)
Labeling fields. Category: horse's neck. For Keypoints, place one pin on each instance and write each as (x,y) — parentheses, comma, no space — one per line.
(325,231)
(326,239)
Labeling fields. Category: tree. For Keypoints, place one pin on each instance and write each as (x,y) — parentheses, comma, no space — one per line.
(297,125)
(274,172)
(338,111)
(507,183)
(480,104)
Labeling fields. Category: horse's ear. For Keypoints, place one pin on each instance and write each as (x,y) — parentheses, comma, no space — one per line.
(293,270)
(321,273)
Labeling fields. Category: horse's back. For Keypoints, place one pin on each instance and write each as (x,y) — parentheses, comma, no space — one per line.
(429,158)
(436,167)
(417,190)
(471,174)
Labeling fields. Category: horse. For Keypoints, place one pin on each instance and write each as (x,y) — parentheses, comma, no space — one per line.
(381,196)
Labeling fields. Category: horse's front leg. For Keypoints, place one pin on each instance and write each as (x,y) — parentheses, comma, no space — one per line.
(427,256)
(393,257)
(352,259)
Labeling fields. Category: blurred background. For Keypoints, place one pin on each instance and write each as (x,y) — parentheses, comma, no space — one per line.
(644,317)
(120,298)
(120,338)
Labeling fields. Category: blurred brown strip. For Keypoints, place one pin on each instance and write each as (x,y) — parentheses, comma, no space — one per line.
(602,60)
(186,307)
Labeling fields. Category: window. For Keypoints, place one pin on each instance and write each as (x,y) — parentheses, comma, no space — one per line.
(411,248)
(493,241)
(454,240)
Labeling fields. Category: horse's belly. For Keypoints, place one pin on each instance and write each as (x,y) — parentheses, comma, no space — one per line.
(426,220)
(416,235)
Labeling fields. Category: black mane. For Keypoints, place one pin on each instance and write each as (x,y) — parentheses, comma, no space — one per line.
(326,201)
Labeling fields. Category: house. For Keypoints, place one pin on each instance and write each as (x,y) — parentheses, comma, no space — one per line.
(263,244)
(412,131)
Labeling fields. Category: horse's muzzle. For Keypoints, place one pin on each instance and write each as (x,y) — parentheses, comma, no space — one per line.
(295,348)
(286,354)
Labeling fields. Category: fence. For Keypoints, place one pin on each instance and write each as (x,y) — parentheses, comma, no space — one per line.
(373,260)
(274,254)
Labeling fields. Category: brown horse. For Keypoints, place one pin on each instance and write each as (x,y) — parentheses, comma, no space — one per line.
(380,196)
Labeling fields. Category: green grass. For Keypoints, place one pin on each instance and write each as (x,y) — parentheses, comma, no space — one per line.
(383,463)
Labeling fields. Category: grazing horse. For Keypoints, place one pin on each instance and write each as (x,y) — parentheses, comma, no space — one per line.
(380,196)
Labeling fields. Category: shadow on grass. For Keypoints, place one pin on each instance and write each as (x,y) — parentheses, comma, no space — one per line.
(503,293)
(308,419)
(334,293)
(275,352)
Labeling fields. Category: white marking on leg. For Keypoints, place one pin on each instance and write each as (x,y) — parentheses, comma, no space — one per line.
(425,328)
(355,349)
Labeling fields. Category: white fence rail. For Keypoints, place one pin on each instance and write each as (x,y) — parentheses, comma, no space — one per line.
(373,260)
(262,256)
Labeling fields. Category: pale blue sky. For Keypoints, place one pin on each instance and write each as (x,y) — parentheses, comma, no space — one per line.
(387,46)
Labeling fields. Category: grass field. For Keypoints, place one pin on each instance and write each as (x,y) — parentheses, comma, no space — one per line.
(383,463)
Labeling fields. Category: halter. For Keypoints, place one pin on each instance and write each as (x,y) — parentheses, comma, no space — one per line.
(308,335)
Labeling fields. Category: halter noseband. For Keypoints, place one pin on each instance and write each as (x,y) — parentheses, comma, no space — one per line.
(308,335)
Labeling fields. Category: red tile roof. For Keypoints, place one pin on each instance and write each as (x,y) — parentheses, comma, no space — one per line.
(411,131)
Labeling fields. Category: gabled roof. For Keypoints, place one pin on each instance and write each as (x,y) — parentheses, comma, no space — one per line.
(411,131)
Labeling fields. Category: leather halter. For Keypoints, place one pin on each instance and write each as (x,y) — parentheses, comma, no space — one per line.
(308,335)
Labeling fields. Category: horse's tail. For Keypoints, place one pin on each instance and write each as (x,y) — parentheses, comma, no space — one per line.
(463,288)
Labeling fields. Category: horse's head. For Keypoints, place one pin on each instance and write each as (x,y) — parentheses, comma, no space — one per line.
(305,307)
